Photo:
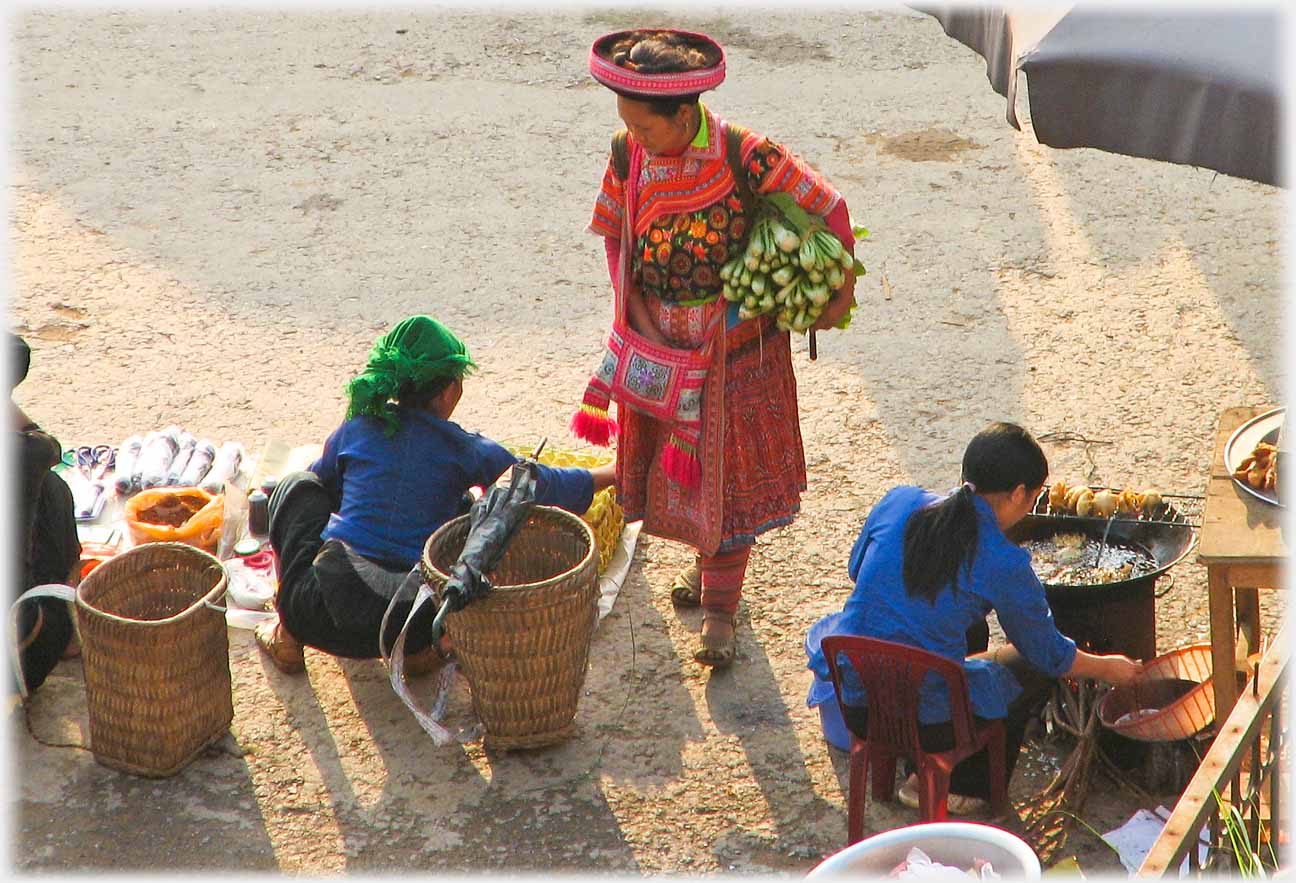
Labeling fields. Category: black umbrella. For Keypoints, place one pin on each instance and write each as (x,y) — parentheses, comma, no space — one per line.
(492,521)
(1192,86)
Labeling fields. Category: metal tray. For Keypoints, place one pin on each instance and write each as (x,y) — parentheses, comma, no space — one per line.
(1262,427)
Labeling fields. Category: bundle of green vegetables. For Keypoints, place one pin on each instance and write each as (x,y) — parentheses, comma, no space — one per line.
(792,265)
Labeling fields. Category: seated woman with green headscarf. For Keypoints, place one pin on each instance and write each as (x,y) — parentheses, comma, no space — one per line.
(349,531)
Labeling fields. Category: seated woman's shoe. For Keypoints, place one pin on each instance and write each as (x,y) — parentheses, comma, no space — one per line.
(686,591)
(719,644)
(285,651)
(424,662)
(955,804)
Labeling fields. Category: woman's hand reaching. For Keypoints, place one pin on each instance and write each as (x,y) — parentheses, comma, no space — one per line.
(641,321)
(1113,669)
(1120,670)
(604,476)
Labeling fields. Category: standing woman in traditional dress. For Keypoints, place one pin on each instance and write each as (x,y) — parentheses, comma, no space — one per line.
(674,207)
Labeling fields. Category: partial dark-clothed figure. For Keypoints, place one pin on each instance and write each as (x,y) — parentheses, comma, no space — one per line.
(45,535)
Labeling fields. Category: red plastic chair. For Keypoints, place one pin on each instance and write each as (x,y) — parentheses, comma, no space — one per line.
(891,674)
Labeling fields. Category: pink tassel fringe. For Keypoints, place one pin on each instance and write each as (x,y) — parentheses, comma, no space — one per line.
(597,429)
(681,466)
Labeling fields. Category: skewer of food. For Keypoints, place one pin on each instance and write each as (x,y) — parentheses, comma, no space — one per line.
(1082,500)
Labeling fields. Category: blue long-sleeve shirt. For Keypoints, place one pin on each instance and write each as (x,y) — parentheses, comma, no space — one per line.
(396,491)
(1001,579)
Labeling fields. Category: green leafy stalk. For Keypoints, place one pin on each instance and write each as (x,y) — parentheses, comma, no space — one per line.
(1087,826)
(787,206)
(1248,863)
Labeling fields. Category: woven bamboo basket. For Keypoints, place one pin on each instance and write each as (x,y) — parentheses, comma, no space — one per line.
(1172,699)
(156,657)
(525,646)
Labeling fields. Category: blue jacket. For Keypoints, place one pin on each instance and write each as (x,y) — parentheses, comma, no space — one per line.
(1001,579)
(395,492)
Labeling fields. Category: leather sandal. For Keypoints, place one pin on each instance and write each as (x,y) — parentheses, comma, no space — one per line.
(425,662)
(285,651)
(716,651)
(686,590)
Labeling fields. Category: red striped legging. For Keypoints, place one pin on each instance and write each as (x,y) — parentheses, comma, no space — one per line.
(722,579)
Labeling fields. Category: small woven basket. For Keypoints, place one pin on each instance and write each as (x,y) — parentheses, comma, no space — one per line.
(156,657)
(524,647)
(1172,699)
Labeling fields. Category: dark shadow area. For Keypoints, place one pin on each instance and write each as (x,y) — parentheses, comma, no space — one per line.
(535,810)
(529,810)
(641,711)
(745,702)
(69,813)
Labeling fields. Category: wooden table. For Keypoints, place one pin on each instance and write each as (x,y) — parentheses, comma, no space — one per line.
(1243,549)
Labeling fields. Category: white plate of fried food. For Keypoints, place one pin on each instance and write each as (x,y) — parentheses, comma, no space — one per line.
(1251,455)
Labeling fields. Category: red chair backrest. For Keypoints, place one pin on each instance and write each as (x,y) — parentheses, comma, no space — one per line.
(892,675)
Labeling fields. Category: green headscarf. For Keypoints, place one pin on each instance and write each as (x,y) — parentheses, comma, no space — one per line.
(419,350)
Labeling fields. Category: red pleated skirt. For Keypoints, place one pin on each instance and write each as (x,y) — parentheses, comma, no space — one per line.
(764,460)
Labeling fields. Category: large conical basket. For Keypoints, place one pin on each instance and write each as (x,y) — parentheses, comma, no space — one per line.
(525,646)
(156,657)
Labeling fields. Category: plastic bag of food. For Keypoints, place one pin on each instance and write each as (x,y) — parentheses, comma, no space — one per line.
(176,515)
(234,523)
(127,454)
(248,588)
(226,466)
(181,461)
(156,457)
(199,464)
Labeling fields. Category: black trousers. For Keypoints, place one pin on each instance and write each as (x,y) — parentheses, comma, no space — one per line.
(330,597)
(971,777)
(45,624)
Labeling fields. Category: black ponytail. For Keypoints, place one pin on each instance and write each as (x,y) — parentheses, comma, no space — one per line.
(938,541)
(941,540)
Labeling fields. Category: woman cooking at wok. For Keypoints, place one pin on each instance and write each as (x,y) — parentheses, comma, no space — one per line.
(929,569)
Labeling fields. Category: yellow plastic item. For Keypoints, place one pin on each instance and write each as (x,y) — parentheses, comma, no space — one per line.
(1068,867)
(605,516)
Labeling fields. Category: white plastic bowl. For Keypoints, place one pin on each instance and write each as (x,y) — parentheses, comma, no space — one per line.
(948,843)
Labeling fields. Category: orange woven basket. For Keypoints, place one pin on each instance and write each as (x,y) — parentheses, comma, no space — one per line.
(1172,699)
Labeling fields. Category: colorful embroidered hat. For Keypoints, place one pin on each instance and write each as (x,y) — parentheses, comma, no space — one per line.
(656,85)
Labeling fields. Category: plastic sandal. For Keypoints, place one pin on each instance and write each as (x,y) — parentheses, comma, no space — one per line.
(686,591)
(717,652)
(955,804)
